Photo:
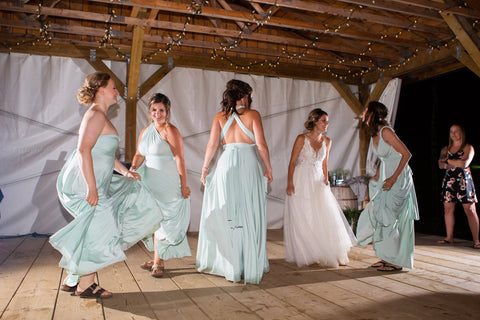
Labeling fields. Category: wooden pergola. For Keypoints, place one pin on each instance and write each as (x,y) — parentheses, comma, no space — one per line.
(345,42)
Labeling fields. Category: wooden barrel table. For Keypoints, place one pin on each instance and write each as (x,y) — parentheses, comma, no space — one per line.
(345,196)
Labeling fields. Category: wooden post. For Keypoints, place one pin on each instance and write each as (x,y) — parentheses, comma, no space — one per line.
(132,89)
(363,134)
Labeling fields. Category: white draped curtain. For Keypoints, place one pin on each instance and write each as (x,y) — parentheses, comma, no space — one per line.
(39,119)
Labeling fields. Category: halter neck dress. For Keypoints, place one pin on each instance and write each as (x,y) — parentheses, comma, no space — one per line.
(233,226)
(126,213)
(160,173)
(315,229)
(388,219)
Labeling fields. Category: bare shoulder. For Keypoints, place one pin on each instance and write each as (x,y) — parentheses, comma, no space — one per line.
(94,116)
(328,140)
(171,129)
(254,112)
(301,137)
(468,148)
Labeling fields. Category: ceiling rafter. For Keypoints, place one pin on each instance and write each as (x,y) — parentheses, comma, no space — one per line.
(354,41)
(353,13)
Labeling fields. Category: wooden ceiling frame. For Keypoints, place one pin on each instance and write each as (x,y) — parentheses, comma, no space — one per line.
(298,33)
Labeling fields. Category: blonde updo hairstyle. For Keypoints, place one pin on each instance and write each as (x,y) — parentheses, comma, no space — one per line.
(313,117)
(93,82)
(159,98)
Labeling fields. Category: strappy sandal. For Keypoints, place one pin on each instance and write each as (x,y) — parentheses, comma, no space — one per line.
(444,241)
(94,291)
(476,246)
(68,288)
(157,271)
(147,265)
(378,264)
(389,268)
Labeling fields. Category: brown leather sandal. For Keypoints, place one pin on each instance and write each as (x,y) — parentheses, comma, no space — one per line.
(147,265)
(157,271)
(94,291)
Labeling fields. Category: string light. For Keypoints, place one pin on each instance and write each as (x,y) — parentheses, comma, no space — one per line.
(195,9)
(261,19)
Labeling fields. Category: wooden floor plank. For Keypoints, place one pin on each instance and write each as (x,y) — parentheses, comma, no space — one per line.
(443,285)
(37,293)
(128,299)
(166,299)
(14,269)
(7,246)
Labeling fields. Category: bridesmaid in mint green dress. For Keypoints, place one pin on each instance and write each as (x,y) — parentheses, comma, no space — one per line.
(111,212)
(233,226)
(160,150)
(388,219)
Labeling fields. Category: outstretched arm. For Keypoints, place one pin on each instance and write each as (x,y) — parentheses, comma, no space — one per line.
(297,147)
(262,144)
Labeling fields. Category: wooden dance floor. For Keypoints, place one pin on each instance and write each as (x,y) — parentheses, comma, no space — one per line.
(444,285)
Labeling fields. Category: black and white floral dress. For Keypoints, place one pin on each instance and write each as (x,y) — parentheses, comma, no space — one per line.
(457,185)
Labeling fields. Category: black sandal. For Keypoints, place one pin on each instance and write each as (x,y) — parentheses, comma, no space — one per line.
(94,291)
(392,268)
(378,264)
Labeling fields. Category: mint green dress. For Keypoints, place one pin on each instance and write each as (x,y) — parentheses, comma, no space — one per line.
(160,173)
(126,213)
(233,226)
(388,219)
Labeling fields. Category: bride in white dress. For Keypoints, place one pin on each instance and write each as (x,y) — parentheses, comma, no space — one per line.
(315,228)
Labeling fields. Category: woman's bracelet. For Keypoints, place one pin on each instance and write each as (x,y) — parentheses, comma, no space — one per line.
(185,188)
(206,168)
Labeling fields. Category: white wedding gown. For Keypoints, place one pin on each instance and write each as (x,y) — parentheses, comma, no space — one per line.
(315,229)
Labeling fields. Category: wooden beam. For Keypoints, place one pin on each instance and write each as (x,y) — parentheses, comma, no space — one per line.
(398,8)
(378,90)
(467,37)
(354,14)
(148,23)
(132,87)
(273,21)
(468,62)
(348,96)
(307,59)
(98,65)
(154,79)
(442,7)
(419,62)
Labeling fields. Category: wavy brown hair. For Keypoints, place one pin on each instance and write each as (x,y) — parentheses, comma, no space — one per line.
(313,117)
(93,82)
(236,90)
(376,115)
(159,98)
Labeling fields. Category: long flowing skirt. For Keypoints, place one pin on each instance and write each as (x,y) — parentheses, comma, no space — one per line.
(388,220)
(164,183)
(126,212)
(232,235)
(315,229)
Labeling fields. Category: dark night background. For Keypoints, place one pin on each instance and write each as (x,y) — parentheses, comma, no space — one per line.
(425,113)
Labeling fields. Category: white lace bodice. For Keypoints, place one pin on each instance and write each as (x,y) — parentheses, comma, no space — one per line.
(309,157)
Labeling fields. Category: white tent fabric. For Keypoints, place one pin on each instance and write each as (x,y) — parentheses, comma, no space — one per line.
(39,119)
